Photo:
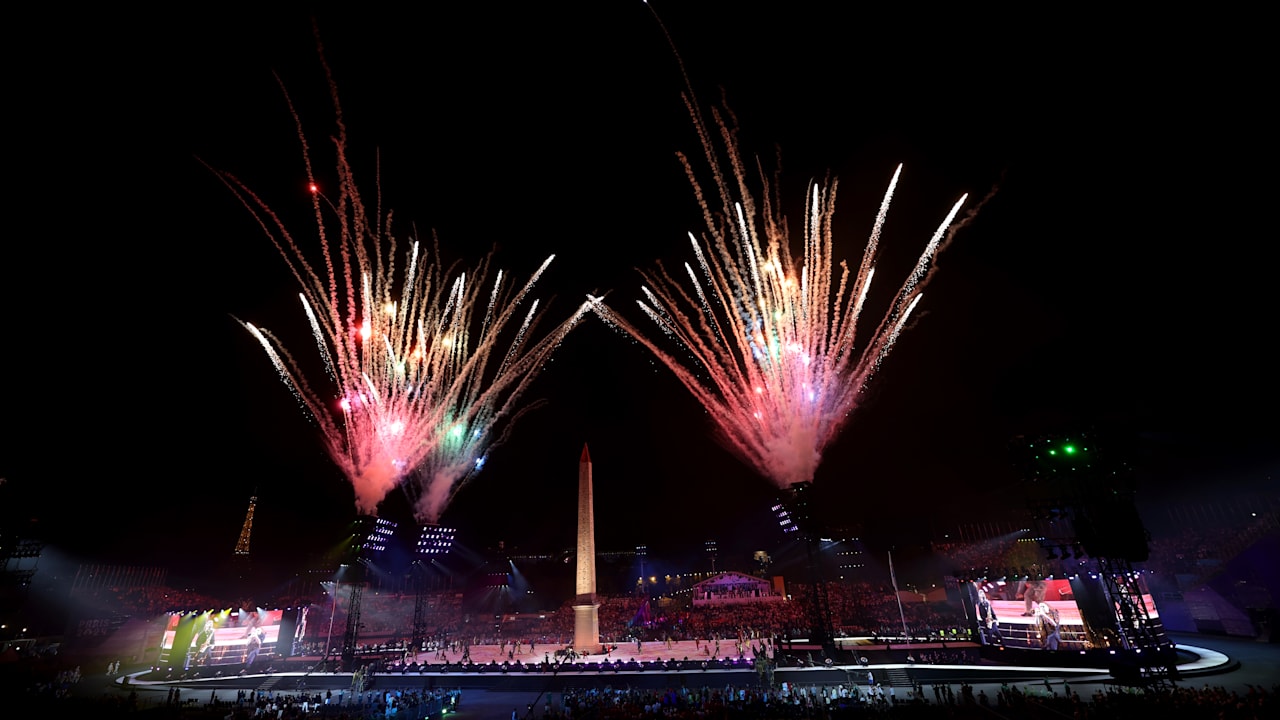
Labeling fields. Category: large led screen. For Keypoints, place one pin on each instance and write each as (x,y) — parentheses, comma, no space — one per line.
(1061,614)
(1028,614)
(235,637)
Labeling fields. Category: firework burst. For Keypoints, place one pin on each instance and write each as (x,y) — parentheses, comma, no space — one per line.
(773,344)
(424,366)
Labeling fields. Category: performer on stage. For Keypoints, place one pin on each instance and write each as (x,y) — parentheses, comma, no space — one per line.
(1046,619)
(203,643)
(987,617)
(1033,593)
(254,645)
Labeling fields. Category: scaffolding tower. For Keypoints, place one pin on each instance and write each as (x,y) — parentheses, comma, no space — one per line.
(795,516)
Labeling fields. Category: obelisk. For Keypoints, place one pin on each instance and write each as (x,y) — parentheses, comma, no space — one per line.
(586,621)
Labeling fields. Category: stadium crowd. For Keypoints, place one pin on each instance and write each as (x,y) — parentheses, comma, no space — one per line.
(857,609)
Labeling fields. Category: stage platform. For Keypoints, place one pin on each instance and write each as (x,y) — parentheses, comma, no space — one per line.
(1207,661)
(658,664)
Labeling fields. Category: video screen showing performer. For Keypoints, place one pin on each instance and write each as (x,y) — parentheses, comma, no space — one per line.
(1027,614)
(240,637)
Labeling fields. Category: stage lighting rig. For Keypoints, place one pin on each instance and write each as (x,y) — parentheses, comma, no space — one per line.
(372,535)
(435,541)
(793,512)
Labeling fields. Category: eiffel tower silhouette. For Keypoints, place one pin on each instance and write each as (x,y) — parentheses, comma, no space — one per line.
(242,543)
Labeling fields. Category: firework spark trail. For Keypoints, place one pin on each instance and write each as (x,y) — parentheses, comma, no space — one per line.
(775,359)
(423,374)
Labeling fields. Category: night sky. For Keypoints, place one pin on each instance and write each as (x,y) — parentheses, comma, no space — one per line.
(1119,277)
